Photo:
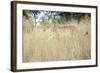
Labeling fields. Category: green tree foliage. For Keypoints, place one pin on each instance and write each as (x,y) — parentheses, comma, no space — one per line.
(54,17)
(25,13)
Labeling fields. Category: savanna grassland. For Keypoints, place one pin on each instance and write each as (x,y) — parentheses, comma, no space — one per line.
(68,41)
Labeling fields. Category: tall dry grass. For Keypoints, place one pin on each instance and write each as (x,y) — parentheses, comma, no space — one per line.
(64,43)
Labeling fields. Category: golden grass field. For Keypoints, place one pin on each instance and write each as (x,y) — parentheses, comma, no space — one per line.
(57,44)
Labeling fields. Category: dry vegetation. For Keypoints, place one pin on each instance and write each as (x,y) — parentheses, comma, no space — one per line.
(70,42)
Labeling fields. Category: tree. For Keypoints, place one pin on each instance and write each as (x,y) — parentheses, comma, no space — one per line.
(25,13)
(35,15)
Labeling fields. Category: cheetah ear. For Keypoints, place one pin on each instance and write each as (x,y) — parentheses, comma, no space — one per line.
(86,33)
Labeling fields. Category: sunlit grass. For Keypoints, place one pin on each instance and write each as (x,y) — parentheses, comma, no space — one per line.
(70,43)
